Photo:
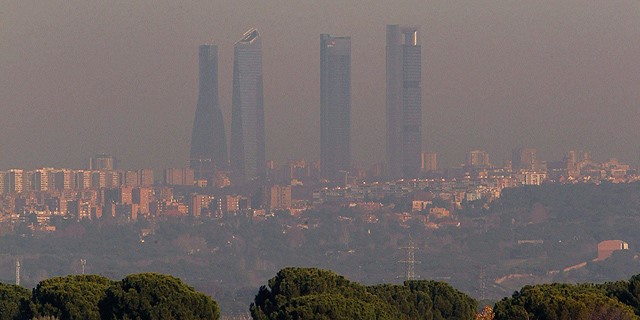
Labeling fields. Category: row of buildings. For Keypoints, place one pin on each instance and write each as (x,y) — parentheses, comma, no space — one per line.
(246,159)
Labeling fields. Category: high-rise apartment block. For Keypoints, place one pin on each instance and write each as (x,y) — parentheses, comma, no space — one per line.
(477,158)
(208,140)
(277,197)
(247,118)
(524,159)
(429,161)
(335,105)
(15,181)
(103,161)
(404,102)
(179,176)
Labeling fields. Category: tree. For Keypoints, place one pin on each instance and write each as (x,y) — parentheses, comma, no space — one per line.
(70,297)
(309,293)
(485,314)
(148,296)
(561,301)
(12,297)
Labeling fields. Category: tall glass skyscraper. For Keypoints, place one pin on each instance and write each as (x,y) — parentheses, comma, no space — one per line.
(404,102)
(247,119)
(335,105)
(208,141)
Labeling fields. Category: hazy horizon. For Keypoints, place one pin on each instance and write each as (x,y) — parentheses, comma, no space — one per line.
(81,77)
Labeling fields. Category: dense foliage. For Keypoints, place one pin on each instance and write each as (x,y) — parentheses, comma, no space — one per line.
(12,298)
(310,293)
(566,301)
(70,297)
(140,296)
(154,296)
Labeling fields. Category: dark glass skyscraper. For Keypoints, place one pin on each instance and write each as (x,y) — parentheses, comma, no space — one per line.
(335,105)
(404,102)
(247,122)
(208,141)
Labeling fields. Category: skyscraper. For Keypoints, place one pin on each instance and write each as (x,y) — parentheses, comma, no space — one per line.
(404,102)
(208,141)
(335,105)
(247,122)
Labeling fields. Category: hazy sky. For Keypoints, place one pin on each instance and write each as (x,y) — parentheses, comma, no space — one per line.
(120,76)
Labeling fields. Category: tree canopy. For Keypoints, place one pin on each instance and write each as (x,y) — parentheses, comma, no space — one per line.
(155,296)
(310,293)
(12,297)
(139,296)
(562,301)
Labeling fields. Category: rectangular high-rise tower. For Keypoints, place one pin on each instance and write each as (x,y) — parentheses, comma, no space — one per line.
(335,105)
(404,102)
(247,118)
(208,141)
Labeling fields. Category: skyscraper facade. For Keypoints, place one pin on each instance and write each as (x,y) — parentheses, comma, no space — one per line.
(208,141)
(335,105)
(404,102)
(247,122)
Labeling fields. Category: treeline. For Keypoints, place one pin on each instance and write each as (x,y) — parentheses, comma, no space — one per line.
(138,296)
(310,293)
(296,293)
(612,300)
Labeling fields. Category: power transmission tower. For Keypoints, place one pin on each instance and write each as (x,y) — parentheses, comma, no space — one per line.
(410,260)
(483,283)
(17,272)
(83,262)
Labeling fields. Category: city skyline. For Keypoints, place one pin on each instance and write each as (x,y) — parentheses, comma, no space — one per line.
(117,79)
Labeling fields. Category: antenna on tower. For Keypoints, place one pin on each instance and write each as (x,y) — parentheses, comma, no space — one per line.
(83,263)
(410,260)
(17,272)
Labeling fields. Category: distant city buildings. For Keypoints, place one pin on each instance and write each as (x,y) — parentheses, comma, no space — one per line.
(277,197)
(403,102)
(335,106)
(103,161)
(429,161)
(477,158)
(179,176)
(524,159)
(247,122)
(208,142)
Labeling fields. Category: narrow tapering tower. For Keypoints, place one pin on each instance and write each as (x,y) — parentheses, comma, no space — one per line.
(208,141)
(335,106)
(247,118)
(404,102)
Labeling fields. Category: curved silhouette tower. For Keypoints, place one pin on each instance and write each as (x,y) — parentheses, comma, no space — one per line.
(208,141)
